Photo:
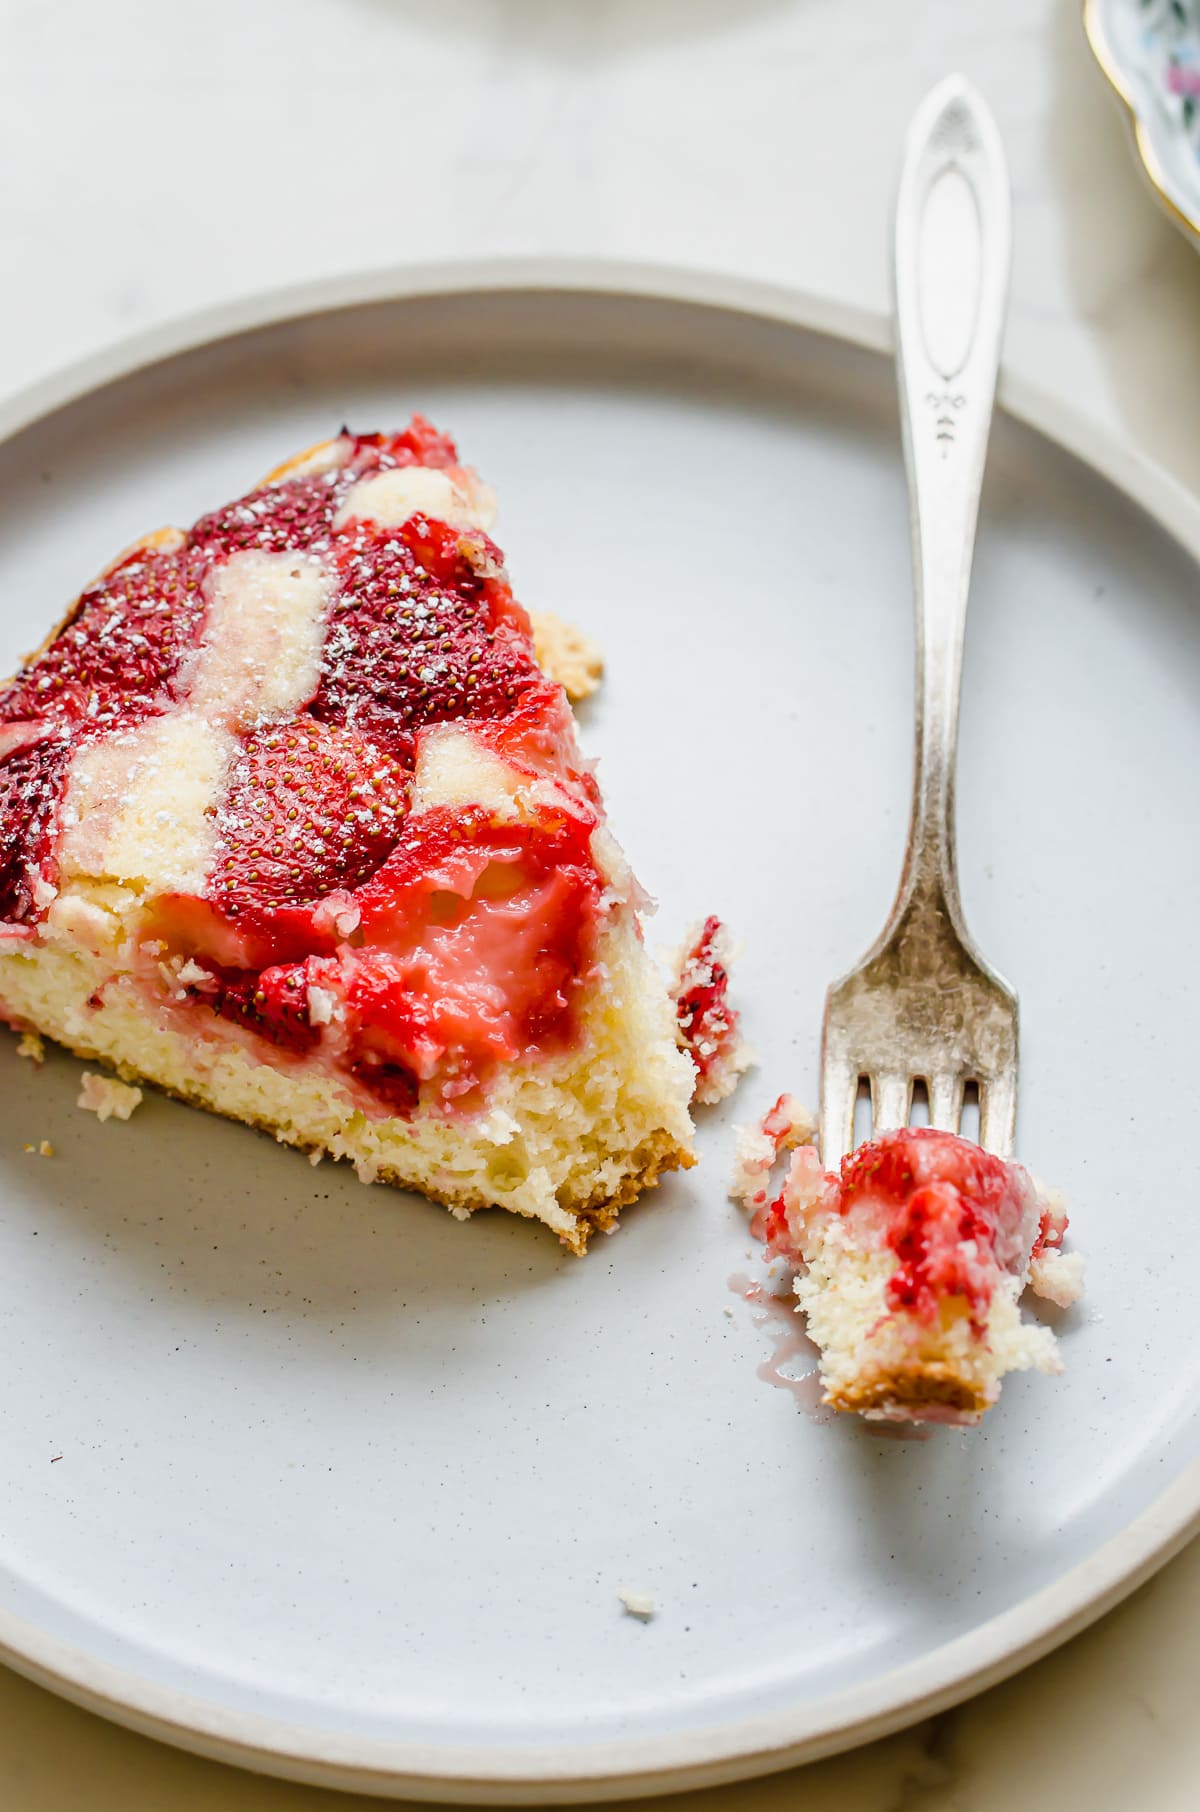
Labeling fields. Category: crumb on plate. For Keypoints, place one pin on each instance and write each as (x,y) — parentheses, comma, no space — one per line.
(107,1098)
(709,1027)
(637,1604)
(757,1149)
(565,654)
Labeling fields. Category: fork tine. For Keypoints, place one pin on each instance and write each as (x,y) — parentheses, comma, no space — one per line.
(998,1114)
(891,1099)
(839,1093)
(945,1102)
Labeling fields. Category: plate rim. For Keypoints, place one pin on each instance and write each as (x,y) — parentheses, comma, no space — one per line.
(746,1747)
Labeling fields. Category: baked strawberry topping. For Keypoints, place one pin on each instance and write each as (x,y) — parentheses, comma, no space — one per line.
(115,662)
(701,1005)
(709,1027)
(420,444)
(445,942)
(118,657)
(462,952)
(407,647)
(954,1215)
(296,514)
(476,934)
(273,1003)
(310,808)
(31,782)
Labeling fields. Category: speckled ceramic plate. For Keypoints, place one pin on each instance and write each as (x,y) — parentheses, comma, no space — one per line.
(1149,50)
(308,1476)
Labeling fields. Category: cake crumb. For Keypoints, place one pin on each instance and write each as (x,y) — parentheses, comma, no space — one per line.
(1057,1277)
(709,1028)
(45,1149)
(31,1046)
(107,1098)
(757,1148)
(565,654)
(637,1604)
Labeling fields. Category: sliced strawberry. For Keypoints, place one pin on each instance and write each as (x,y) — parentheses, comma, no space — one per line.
(272,1002)
(420,444)
(279,517)
(393,1083)
(118,657)
(299,512)
(310,808)
(476,934)
(31,783)
(407,648)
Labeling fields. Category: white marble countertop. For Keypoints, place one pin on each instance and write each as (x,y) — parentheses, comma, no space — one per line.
(160,158)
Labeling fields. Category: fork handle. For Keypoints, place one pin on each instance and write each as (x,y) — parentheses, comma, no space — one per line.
(951,280)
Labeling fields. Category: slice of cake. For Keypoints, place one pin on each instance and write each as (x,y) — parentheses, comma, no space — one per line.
(910,1266)
(293,824)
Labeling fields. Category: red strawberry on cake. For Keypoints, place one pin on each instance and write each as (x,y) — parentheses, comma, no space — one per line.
(294,825)
(911,1262)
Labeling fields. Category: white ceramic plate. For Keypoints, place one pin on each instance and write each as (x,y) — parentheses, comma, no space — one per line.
(309,1476)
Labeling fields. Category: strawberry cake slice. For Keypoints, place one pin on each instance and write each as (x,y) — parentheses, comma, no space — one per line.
(293,824)
(911,1262)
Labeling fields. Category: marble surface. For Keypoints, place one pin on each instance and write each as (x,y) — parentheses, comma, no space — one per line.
(159,159)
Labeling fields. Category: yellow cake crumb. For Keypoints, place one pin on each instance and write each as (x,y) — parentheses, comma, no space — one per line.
(107,1098)
(565,654)
(637,1603)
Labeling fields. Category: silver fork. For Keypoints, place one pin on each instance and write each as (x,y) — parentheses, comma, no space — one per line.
(923,1005)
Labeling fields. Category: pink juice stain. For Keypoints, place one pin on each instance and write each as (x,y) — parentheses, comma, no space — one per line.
(790,1342)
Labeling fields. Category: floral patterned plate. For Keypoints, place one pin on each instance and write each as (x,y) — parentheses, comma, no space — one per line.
(1150,52)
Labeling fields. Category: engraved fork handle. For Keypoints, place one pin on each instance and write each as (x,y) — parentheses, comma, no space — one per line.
(951,280)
